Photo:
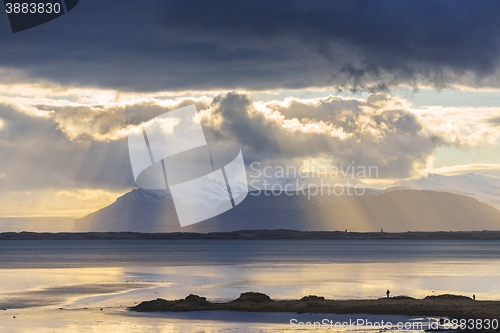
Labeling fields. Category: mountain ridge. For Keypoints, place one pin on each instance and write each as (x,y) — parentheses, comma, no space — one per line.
(393,210)
(483,188)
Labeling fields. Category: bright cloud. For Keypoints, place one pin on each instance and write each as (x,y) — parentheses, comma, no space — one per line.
(480,168)
(77,136)
(55,203)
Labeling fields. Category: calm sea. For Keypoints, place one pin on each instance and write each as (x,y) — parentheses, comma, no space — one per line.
(87,285)
(97,253)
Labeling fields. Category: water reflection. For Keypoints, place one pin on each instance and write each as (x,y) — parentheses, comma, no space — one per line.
(59,296)
(112,320)
(280,281)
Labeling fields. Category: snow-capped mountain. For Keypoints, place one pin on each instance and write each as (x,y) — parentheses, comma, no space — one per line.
(482,188)
(146,210)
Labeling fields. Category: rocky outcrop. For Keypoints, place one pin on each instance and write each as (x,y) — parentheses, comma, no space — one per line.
(449,297)
(455,306)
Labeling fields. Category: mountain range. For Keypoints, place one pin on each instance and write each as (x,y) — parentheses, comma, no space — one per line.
(432,203)
(482,188)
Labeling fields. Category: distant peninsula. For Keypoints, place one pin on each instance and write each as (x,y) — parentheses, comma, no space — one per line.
(257,235)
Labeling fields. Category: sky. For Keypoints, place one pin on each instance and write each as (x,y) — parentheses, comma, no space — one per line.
(409,87)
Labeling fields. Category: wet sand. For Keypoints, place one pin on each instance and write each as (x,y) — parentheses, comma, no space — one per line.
(51,296)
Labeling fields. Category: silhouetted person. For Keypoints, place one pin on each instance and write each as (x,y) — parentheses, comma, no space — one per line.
(474,297)
(388,293)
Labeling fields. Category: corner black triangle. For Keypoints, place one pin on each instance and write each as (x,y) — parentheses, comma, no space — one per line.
(70,4)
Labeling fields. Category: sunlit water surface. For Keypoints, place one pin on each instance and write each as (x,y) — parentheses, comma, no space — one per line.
(61,286)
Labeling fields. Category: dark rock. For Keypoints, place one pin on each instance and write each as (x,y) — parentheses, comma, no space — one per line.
(190,303)
(253,298)
(312,298)
(449,297)
(195,300)
(158,304)
(397,298)
(402,297)
(313,305)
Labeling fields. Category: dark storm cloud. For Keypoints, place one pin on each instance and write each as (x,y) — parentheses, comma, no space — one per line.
(374,132)
(154,45)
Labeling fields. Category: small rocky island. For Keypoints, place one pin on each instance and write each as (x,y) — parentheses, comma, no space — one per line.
(443,305)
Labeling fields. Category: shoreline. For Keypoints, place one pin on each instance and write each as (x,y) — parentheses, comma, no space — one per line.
(275,234)
(447,305)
